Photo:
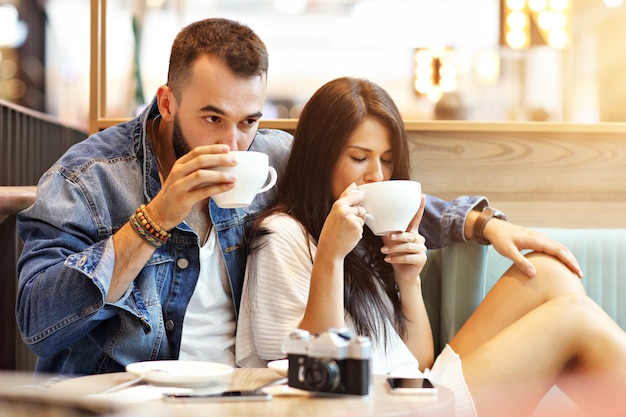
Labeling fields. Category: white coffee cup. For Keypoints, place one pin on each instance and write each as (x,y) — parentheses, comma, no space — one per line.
(390,205)
(252,172)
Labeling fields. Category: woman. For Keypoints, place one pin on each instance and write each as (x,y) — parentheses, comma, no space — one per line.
(313,265)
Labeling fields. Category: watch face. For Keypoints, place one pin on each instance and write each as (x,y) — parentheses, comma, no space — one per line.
(499,215)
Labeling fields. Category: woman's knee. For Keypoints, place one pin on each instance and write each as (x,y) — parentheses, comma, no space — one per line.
(580,309)
(555,277)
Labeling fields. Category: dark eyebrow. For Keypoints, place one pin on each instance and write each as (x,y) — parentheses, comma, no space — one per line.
(366,149)
(212,109)
(254,115)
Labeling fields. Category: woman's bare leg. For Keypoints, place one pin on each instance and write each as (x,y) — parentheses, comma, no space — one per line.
(569,341)
(513,296)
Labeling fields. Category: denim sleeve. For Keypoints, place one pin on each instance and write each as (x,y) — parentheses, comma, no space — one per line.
(65,267)
(444,221)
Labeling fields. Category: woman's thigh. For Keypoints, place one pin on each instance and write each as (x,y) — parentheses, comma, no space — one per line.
(567,338)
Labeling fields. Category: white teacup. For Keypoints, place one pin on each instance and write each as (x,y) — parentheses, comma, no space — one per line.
(252,171)
(390,205)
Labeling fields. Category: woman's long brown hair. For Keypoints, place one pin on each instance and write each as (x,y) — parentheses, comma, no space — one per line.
(326,123)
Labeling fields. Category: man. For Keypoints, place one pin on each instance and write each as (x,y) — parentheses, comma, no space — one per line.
(124,245)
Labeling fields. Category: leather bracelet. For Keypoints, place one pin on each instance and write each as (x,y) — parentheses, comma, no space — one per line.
(145,234)
(487,214)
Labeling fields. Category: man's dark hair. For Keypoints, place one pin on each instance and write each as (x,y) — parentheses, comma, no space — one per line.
(233,43)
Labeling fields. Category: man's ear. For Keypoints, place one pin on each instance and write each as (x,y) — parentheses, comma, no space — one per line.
(166,102)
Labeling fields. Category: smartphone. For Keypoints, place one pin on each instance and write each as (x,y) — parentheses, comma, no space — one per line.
(411,386)
(219,396)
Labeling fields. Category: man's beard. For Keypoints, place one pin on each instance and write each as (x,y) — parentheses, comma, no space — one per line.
(180,144)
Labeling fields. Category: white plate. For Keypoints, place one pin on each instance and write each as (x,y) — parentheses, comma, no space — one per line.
(281,366)
(179,373)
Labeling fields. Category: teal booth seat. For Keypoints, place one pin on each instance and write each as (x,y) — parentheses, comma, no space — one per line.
(456,278)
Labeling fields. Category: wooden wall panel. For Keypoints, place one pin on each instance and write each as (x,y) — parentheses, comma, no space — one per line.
(542,179)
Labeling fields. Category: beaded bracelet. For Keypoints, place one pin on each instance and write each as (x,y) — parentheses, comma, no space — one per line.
(147,229)
(150,225)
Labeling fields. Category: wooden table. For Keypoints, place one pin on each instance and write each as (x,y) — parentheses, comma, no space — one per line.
(378,403)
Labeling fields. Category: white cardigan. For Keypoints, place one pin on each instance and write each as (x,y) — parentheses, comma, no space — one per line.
(275,293)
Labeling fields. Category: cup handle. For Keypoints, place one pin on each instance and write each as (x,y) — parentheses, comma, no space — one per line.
(273,178)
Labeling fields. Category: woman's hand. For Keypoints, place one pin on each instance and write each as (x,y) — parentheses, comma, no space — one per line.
(406,251)
(343,228)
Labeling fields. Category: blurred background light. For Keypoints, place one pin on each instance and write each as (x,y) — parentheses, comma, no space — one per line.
(12,30)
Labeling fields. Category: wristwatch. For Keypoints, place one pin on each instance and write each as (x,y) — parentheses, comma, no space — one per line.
(487,214)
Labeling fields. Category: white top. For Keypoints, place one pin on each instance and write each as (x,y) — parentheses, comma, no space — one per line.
(275,293)
(209,323)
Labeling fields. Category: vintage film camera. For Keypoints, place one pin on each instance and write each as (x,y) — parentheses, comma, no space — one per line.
(332,362)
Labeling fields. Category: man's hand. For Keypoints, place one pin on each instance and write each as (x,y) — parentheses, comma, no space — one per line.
(192,179)
(509,239)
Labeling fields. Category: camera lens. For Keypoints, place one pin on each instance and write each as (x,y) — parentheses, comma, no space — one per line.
(322,375)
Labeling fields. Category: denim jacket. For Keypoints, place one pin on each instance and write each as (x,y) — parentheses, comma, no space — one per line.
(66,266)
